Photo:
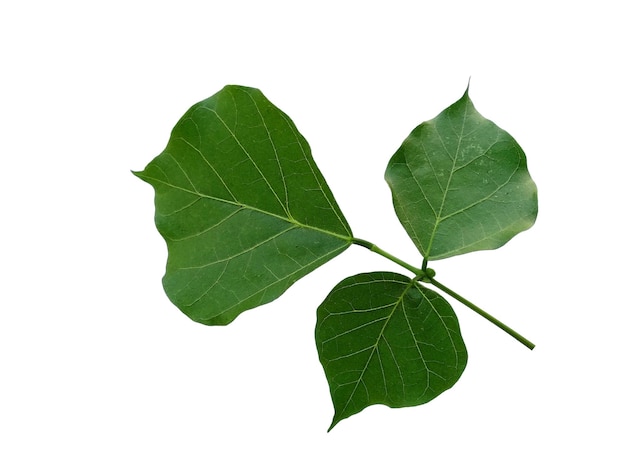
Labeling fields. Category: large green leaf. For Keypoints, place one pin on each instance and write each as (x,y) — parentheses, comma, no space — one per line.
(385,339)
(242,206)
(460,184)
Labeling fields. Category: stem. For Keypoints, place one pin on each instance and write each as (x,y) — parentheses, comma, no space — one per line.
(484,314)
(370,246)
(427,276)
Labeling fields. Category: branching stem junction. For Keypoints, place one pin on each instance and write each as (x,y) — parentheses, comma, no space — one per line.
(427,275)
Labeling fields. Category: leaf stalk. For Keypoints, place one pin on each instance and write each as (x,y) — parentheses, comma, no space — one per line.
(427,275)
(484,314)
(370,246)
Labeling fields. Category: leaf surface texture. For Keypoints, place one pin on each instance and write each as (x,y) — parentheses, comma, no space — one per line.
(384,339)
(242,206)
(461,184)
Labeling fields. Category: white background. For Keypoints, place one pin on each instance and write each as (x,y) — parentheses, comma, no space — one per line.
(99,371)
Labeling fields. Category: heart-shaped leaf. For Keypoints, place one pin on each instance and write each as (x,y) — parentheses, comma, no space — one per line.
(385,339)
(461,184)
(242,206)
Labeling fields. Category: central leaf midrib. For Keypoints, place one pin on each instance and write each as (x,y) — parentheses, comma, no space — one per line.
(439,217)
(251,208)
(375,345)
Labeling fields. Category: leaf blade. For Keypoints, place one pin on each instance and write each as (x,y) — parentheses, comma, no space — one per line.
(242,206)
(384,339)
(460,184)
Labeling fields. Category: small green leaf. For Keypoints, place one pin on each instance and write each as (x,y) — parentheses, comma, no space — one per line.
(461,184)
(242,206)
(385,339)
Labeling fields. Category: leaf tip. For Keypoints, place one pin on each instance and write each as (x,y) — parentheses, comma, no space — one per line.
(466,94)
(333,424)
(139,174)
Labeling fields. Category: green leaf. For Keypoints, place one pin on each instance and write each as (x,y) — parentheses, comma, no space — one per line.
(385,339)
(461,184)
(242,206)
